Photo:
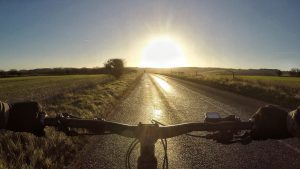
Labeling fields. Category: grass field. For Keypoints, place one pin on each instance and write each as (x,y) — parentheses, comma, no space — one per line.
(84,96)
(43,87)
(276,81)
(293,82)
(284,91)
(290,85)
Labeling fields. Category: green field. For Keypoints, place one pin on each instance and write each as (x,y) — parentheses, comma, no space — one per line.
(87,96)
(43,87)
(274,80)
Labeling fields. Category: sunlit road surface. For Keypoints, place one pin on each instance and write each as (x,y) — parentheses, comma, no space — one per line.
(173,101)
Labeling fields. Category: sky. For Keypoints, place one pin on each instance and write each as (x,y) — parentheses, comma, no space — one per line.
(212,33)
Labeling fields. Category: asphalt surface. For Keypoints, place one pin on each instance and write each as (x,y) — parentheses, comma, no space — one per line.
(172,101)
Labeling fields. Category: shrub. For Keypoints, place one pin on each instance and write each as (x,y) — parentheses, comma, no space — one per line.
(114,67)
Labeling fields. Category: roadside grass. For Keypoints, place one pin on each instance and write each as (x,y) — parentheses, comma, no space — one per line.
(56,150)
(284,91)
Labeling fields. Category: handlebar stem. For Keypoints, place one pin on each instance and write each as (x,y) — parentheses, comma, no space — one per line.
(147,135)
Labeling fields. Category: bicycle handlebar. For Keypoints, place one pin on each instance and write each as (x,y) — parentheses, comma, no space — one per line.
(148,134)
(142,130)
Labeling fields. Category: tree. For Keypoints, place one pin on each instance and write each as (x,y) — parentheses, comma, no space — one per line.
(294,72)
(13,72)
(114,67)
(2,72)
(278,72)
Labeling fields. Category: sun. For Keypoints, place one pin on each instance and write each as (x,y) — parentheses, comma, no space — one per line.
(162,52)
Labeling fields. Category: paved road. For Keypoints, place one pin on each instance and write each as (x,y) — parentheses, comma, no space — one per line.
(173,101)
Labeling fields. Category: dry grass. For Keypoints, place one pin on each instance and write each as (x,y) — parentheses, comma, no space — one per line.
(55,150)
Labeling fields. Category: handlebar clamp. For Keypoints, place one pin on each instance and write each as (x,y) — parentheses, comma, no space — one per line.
(62,127)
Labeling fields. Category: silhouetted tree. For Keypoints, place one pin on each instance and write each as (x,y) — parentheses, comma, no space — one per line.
(114,67)
(13,72)
(278,72)
(2,72)
(294,72)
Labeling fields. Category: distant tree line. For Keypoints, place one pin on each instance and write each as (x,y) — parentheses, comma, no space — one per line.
(52,71)
(294,72)
(114,67)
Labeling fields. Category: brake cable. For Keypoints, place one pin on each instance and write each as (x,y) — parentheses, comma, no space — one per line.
(128,153)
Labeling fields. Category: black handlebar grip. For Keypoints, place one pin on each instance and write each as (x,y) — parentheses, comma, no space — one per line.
(26,117)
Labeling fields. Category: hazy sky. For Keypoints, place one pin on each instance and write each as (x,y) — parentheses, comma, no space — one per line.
(224,33)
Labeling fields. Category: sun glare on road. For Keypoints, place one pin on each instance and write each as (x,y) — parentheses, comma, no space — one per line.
(163,84)
(163,52)
(157,113)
